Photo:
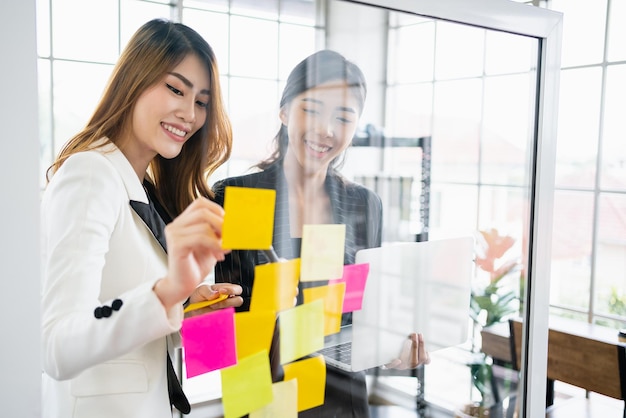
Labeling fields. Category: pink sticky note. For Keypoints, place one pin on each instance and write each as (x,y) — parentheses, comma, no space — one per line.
(355,277)
(209,342)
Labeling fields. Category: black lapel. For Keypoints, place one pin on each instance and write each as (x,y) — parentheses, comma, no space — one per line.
(337,196)
(153,221)
(281,240)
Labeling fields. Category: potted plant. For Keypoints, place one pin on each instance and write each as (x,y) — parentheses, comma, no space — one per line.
(494,299)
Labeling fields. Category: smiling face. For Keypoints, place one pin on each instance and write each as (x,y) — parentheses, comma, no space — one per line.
(167,114)
(320,123)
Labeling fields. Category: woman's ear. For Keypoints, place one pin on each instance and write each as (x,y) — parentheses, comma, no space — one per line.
(283,115)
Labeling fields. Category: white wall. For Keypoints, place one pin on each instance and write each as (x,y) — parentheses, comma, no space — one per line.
(20,368)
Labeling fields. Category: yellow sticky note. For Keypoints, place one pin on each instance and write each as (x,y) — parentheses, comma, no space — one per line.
(322,252)
(301,330)
(248,218)
(332,295)
(254,332)
(275,285)
(285,404)
(247,386)
(311,376)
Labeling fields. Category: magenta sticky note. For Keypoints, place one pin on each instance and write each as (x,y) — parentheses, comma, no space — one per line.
(209,342)
(355,276)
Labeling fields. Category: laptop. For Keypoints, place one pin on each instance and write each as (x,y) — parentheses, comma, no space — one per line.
(411,287)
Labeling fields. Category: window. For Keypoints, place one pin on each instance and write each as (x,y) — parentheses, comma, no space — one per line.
(429,89)
(76,57)
(588,238)
(269,37)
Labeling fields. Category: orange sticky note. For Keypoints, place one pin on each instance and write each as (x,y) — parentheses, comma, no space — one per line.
(301,330)
(285,403)
(254,332)
(322,252)
(275,286)
(333,296)
(247,386)
(311,376)
(248,218)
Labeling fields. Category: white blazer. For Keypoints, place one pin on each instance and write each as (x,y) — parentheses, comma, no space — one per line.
(96,249)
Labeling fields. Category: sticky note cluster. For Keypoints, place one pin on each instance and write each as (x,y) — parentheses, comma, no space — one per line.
(239,343)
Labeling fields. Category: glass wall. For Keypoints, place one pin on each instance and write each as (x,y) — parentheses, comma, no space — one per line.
(468,91)
(476,103)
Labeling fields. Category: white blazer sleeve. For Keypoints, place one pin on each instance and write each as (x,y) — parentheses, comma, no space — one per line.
(83,206)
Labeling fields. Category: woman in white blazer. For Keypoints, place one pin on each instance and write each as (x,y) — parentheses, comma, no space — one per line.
(114,276)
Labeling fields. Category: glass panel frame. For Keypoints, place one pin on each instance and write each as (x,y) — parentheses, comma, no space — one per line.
(547,27)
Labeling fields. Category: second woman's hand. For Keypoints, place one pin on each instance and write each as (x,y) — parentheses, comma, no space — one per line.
(412,355)
(207,292)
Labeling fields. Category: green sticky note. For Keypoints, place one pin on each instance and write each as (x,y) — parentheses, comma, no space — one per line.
(247,386)
(301,330)
(322,252)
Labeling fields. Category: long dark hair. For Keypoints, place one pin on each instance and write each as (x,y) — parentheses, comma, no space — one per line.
(321,67)
(157,47)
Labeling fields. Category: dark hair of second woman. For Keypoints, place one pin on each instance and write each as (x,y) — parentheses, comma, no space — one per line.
(321,67)
(157,47)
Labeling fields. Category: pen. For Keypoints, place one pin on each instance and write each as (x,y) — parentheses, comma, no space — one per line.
(271,255)
(204,304)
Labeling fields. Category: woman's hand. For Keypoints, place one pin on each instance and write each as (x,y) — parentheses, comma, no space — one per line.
(194,243)
(210,292)
(413,354)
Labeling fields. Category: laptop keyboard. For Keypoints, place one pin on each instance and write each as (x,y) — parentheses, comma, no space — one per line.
(340,352)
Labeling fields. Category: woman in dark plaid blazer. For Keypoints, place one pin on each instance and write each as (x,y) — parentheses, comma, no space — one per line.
(319,110)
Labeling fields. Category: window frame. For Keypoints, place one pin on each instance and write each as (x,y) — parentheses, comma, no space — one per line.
(546,26)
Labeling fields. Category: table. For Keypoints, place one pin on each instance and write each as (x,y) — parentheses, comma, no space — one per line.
(586,355)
